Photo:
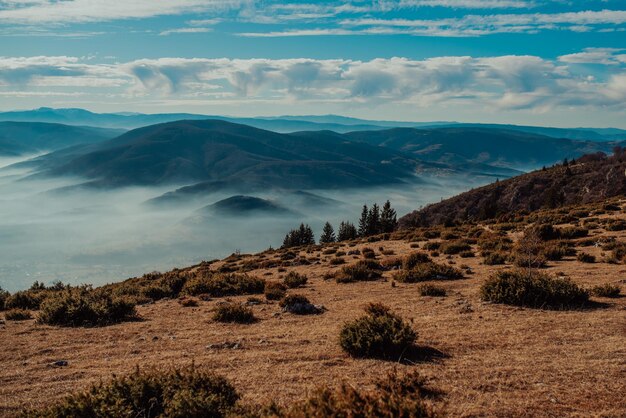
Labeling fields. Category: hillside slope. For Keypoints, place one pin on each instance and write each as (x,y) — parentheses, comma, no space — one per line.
(591,178)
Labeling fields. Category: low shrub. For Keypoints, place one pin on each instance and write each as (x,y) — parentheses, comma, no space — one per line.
(153,394)
(428,271)
(555,251)
(414,259)
(86,307)
(361,271)
(17,315)
(432,290)
(188,302)
(392,396)
(24,299)
(335,261)
(532,289)
(222,284)
(586,258)
(368,253)
(275,290)
(467,254)
(233,312)
(378,334)
(455,247)
(493,259)
(606,291)
(4,295)
(432,246)
(294,280)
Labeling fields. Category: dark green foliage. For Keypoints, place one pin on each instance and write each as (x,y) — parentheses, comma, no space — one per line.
(275,290)
(606,291)
(533,289)
(360,271)
(186,393)
(455,247)
(388,218)
(378,334)
(224,284)
(17,315)
(586,258)
(25,299)
(432,290)
(391,397)
(233,312)
(373,221)
(84,306)
(328,234)
(428,271)
(293,280)
(298,237)
(4,295)
(347,231)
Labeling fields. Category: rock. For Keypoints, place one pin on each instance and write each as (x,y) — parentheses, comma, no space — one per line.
(304,309)
(59,363)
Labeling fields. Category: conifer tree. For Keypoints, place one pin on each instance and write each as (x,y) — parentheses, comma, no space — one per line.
(328,234)
(363,222)
(388,218)
(373,220)
(347,231)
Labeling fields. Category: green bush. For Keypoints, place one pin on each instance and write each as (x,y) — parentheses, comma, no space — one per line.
(25,299)
(532,289)
(428,271)
(232,312)
(17,315)
(294,280)
(155,394)
(393,396)
(275,290)
(86,307)
(606,291)
(432,290)
(361,271)
(378,334)
(224,284)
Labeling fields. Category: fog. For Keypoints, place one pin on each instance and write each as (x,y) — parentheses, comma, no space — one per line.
(49,232)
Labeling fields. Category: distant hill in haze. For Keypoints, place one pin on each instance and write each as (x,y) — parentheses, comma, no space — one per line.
(288,123)
(189,152)
(245,205)
(23,138)
(592,178)
(496,147)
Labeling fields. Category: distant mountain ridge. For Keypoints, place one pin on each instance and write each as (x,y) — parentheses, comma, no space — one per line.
(288,123)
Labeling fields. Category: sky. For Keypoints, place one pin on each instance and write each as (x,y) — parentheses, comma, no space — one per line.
(536,62)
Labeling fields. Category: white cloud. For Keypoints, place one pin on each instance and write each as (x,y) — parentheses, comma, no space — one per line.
(185,30)
(503,82)
(604,56)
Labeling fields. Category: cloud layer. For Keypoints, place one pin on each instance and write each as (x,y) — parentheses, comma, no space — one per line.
(502,82)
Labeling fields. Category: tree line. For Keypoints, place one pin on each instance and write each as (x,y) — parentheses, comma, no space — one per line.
(373,221)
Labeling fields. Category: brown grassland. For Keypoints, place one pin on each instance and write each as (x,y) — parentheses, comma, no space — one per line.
(484,359)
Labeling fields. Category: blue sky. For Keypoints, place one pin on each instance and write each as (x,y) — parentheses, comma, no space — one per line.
(540,62)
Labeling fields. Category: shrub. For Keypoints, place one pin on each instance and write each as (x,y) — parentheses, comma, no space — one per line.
(358,272)
(25,299)
(428,271)
(299,305)
(606,291)
(555,251)
(275,290)
(378,334)
(414,259)
(188,302)
(335,261)
(432,246)
(532,289)
(232,312)
(17,315)
(178,393)
(86,307)
(218,285)
(393,396)
(368,253)
(467,254)
(294,280)
(431,290)
(455,247)
(586,258)
(573,232)
(493,259)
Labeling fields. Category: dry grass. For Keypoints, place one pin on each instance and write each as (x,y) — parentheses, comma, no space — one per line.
(485,359)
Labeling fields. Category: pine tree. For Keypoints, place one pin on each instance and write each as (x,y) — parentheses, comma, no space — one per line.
(303,235)
(363,222)
(388,218)
(373,220)
(347,231)
(328,234)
